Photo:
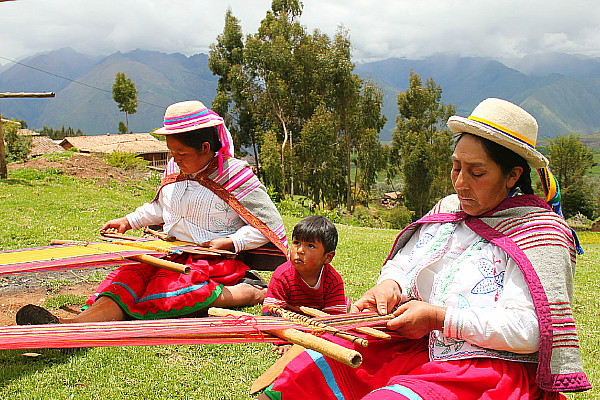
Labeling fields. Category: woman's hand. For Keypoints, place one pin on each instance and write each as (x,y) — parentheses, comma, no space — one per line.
(220,244)
(415,319)
(381,298)
(119,225)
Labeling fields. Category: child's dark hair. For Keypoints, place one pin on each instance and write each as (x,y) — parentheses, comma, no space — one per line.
(507,160)
(196,137)
(319,228)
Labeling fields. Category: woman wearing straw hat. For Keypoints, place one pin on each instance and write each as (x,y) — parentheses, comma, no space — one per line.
(206,197)
(480,288)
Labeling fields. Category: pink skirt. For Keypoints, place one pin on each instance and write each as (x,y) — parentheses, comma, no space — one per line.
(147,292)
(400,369)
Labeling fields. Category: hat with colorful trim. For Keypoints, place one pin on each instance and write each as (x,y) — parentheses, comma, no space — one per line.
(506,124)
(190,115)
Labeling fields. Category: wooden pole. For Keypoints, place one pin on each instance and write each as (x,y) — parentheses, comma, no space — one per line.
(14,95)
(3,168)
(342,354)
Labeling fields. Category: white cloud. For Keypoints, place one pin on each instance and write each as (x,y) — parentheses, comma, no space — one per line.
(377,28)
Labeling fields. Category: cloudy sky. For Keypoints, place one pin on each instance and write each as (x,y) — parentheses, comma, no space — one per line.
(378,28)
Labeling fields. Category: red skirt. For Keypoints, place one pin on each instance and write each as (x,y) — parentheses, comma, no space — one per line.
(399,369)
(147,292)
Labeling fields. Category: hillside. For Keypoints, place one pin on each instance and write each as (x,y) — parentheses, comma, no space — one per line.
(87,104)
(561,104)
(561,91)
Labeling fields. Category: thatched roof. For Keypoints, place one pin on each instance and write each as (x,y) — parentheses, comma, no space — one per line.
(43,145)
(138,143)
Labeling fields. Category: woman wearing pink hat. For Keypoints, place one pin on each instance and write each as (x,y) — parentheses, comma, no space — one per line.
(206,197)
(480,288)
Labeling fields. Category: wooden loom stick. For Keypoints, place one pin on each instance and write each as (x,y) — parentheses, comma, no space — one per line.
(185,247)
(161,235)
(145,258)
(313,312)
(159,262)
(276,369)
(167,250)
(306,321)
(119,236)
(339,353)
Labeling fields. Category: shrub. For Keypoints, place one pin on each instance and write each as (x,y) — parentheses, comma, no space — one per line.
(125,160)
(398,217)
(17,146)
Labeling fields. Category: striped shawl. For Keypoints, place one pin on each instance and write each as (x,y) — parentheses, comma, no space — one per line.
(240,188)
(541,244)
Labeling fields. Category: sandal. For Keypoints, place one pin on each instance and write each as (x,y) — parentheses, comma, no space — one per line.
(35,315)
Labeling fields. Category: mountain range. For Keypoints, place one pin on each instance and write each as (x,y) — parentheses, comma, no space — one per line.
(562,91)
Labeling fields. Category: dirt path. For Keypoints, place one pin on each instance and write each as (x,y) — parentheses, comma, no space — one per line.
(84,166)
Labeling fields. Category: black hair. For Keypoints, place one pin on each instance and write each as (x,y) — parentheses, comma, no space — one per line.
(506,160)
(317,228)
(197,137)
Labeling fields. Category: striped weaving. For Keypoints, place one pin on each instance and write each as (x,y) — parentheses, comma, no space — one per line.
(82,255)
(250,329)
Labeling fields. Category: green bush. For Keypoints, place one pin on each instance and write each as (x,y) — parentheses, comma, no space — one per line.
(17,146)
(398,217)
(126,161)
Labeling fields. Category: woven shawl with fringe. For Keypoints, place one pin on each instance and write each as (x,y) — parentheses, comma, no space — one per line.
(541,244)
(240,188)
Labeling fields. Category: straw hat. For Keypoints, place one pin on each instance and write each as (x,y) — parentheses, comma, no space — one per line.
(188,116)
(506,124)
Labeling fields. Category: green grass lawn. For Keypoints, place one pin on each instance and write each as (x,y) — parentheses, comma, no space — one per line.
(36,207)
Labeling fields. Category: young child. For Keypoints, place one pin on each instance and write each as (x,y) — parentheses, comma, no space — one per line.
(308,279)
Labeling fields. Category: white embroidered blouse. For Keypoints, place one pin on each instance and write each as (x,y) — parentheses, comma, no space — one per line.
(193,213)
(489,305)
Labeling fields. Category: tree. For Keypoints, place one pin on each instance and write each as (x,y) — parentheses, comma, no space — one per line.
(232,100)
(321,171)
(288,80)
(423,148)
(17,146)
(570,161)
(370,157)
(124,94)
(60,133)
(273,75)
(271,161)
(122,127)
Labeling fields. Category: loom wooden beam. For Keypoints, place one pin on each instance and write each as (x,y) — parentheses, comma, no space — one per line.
(339,353)
(313,312)
(144,258)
